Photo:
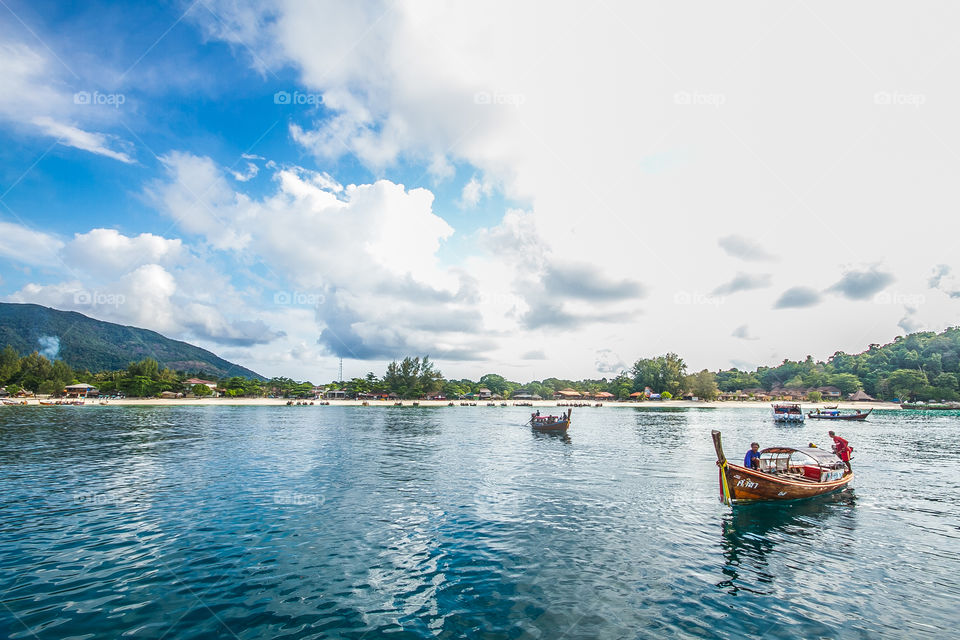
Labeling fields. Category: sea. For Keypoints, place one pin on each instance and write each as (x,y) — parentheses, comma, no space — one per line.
(461,522)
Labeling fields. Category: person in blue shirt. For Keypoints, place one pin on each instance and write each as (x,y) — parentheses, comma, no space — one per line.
(752,459)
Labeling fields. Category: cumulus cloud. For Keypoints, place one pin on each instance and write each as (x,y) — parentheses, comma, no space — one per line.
(106,252)
(944,280)
(536,354)
(408,81)
(862,284)
(367,255)
(148,281)
(745,248)
(798,298)
(743,282)
(608,362)
(909,322)
(28,246)
(242,176)
(474,191)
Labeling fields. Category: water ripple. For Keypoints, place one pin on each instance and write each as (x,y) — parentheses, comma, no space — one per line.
(459,522)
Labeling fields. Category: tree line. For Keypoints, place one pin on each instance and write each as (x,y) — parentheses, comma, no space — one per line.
(919,366)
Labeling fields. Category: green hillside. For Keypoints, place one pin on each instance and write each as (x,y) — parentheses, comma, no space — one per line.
(85,343)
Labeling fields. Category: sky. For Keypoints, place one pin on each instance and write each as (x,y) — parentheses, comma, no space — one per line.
(532,189)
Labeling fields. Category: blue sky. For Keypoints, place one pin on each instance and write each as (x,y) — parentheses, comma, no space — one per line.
(529,190)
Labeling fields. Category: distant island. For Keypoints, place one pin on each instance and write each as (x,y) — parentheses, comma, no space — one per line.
(94,345)
(119,360)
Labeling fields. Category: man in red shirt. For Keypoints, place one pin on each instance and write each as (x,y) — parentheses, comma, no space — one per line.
(842,448)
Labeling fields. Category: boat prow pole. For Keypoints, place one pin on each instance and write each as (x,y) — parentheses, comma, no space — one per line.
(722,463)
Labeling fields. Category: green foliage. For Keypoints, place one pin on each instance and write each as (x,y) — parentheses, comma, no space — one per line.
(201,390)
(703,385)
(815,396)
(412,377)
(94,345)
(666,395)
(663,373)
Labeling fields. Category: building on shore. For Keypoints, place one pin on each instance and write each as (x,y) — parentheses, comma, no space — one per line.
(81,390)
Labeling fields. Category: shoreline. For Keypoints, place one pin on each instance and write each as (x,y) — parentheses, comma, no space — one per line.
(277,402)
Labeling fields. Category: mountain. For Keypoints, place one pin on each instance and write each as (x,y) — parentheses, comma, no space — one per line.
(85,343)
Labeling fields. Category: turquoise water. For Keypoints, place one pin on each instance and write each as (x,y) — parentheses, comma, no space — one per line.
(365,522)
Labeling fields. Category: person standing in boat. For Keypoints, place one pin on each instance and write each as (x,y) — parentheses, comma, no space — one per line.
(842,448)
(752,459)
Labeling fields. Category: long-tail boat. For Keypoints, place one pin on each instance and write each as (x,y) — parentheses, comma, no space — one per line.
(551,423)
(835,414)
(785,473)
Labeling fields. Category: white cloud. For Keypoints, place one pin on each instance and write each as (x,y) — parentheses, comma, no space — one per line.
(34,100)
(71,136)
(363,256)
(28,246)
(474,191)
(107,252)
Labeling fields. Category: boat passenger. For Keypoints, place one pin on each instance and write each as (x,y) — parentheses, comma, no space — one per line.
(842,448)
(812,445)
(752,459)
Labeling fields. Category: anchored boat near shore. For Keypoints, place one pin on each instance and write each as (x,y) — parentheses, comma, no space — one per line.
(785,473)
(835,414)
(787,412)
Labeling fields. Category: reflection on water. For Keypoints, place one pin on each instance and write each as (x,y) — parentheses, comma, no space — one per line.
(460,522)
(562,436)
(751,532)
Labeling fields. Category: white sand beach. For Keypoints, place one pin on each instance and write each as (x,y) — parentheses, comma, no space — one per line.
(277,402)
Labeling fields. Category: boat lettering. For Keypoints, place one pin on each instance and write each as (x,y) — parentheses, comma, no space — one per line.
(782,493)
(749,484)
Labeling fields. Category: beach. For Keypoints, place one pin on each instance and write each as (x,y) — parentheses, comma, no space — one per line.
(534,405)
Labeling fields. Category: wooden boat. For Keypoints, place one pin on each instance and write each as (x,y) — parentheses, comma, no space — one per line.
(787,412)
(834,414)
(551,423)
(47,403)
(785,474)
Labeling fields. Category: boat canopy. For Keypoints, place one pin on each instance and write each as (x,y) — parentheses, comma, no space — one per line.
(782,458)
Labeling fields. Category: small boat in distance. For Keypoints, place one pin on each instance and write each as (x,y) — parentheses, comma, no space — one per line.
(785,473)
(787,412)
(550,423)
(836,414)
